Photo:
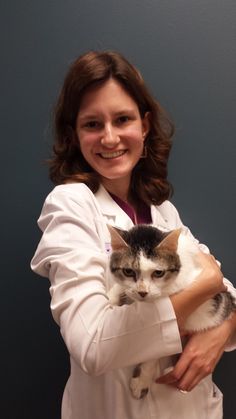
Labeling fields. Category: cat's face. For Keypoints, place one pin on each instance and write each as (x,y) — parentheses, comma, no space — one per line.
(144,261)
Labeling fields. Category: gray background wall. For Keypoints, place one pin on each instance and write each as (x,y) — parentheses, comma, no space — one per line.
(186,51)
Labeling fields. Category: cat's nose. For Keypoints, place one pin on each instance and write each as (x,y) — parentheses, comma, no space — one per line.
(142,294)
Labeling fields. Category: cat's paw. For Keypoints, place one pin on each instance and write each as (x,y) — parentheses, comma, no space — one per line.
(114,295)
(139,387)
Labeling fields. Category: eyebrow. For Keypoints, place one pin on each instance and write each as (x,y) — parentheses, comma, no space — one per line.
(97,115)
(87,116)
(124,111)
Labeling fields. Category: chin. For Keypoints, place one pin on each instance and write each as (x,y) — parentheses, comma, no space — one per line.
(115,173)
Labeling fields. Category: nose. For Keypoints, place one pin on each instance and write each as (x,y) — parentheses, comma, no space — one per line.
(110,138)
(142,294)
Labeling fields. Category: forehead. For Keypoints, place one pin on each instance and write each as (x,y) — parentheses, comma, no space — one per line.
(110,94)
(146,264)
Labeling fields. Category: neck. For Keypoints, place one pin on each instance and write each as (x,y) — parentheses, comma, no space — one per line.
(117,188)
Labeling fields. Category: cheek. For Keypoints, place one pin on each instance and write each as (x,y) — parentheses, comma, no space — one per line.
(86,141)
(134,133)
(129,283)
(157,284)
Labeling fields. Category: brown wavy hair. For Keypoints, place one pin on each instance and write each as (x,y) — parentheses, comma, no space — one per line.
(149,178)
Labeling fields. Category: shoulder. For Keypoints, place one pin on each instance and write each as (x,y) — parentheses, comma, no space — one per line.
(73,200)
(169,214)
(76,193)
(173,221)
(79,191)
(167,208)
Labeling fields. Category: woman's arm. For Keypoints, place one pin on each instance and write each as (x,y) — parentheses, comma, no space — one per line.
(203,350)
(173,221)
(208,283)
(200,356)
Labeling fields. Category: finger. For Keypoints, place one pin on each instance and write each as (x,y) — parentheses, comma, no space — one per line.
(208,260)
(193,375)
(176,373)
(166,379)
(189,381)
(181,367)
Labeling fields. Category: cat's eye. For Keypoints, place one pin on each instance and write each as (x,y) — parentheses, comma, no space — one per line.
(129,272)
(158,274)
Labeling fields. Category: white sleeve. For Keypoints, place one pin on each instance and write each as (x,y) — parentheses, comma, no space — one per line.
(98,336)
(177,223)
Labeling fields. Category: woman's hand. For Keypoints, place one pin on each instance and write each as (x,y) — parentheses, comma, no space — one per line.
(200,356)
(211,277)
(208,283)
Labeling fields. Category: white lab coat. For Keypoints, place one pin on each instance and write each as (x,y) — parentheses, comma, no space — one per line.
(105,342)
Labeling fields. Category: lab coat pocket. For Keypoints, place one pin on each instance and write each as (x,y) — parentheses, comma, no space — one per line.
(215,404)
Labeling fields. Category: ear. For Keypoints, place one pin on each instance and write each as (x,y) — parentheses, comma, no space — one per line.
(117,242)
(145,125)
(170,242)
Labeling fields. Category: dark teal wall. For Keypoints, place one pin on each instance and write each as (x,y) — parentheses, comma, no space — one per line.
(186,50)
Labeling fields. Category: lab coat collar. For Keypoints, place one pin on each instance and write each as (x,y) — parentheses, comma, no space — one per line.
(107,204)
(111,210)
(118,218)
(158,220)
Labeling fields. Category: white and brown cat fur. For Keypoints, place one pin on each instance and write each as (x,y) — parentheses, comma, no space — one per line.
(146,264)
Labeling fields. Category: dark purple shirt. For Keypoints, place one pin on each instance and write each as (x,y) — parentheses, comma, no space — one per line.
(142,216)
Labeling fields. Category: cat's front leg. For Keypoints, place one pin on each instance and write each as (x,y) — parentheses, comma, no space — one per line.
(116,295)
(142,379)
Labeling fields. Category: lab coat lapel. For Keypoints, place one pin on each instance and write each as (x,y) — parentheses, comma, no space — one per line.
(115,216)
(111,211)
(159,219)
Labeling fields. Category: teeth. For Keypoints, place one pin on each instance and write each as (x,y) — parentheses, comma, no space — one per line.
(112,155)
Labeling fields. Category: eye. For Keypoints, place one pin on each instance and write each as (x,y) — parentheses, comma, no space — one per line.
(122,119)
(92,124)
(158,274)
(129,272)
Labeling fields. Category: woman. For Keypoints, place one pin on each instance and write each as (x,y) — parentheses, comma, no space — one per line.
(111,149)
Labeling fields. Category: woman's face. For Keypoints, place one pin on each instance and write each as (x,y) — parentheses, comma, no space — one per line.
(111,132)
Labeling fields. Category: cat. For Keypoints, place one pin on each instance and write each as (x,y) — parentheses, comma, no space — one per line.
(147,263)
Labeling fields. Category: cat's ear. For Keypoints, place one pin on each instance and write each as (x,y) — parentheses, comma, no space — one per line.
(117,242)
(170,242)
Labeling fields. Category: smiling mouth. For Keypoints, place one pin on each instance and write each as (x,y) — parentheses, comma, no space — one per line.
(112,155)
